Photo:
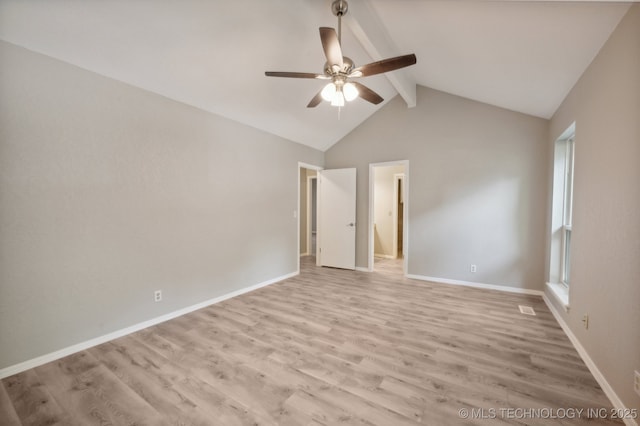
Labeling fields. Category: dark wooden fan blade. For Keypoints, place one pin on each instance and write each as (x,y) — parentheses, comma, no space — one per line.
(294,74)
(331,46)
(385,65)
(367,94)
(315,101)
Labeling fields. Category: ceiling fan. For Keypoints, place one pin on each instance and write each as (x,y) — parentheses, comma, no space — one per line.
(341,69)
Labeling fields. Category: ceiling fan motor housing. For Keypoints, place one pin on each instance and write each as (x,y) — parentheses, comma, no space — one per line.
(347,67)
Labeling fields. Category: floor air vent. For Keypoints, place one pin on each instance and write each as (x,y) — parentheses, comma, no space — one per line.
(527,310)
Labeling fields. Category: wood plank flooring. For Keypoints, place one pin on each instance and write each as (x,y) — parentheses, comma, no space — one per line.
(327,347)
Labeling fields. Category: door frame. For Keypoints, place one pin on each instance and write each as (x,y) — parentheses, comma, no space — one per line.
(405,215)
(301,165)
(309,231)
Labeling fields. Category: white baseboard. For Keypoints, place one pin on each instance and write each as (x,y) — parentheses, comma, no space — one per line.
(41,360)
(597,374)
(477,285)
(362,269)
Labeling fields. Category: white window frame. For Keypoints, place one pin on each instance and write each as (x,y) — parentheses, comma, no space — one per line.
(565,253)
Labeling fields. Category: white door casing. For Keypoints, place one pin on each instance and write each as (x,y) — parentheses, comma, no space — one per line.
(337,218)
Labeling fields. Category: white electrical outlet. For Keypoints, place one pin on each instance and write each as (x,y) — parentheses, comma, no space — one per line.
(636,381)
(157,295)
(473,268)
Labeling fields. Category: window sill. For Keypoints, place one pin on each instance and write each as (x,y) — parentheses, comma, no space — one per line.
(561,294)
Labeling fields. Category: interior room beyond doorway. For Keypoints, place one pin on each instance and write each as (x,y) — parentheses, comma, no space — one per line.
(308,211)
(388,209)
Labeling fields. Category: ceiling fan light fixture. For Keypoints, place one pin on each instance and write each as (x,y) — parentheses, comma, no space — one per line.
(338,99)
(339,68)
(328,92)
(350,91)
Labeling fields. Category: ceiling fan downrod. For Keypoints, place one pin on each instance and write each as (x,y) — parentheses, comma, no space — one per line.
(339,9)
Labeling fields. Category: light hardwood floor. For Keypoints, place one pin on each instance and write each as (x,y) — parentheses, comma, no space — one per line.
(327,347)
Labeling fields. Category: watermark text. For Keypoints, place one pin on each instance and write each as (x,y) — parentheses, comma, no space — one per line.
(547,413)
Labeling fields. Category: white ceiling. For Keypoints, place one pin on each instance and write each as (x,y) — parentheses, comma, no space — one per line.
(520,55)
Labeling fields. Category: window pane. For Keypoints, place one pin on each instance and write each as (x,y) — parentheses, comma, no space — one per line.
(568,189)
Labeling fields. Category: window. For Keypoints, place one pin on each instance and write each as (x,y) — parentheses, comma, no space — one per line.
(567,208)
(561,214)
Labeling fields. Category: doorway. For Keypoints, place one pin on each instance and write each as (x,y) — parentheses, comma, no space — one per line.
(388,216)
(312,213)
(307,210)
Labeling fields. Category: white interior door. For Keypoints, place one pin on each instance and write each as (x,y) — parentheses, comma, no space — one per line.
(337,218)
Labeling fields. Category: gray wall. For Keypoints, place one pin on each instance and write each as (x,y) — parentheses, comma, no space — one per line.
(477,186)
(108,192)
(605,256)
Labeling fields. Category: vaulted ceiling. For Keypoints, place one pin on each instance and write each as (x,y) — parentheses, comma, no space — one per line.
(520,55)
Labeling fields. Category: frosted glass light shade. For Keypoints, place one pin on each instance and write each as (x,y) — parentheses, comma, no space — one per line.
(350,91)
(328,92)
